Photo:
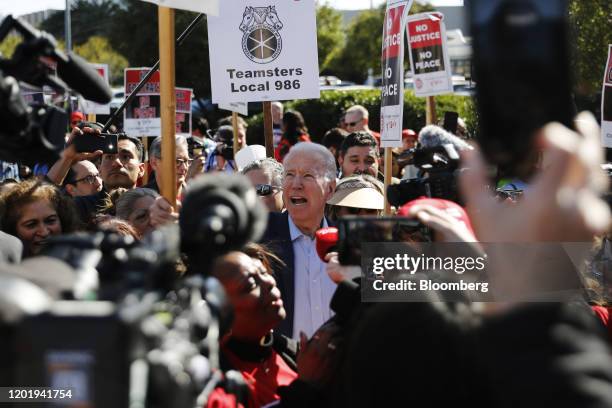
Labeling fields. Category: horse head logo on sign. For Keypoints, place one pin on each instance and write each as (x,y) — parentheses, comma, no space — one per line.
(261,41)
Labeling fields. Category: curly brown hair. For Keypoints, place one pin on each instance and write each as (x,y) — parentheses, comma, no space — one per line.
(29,191)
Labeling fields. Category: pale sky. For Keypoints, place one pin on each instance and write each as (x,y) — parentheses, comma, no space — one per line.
(28,6)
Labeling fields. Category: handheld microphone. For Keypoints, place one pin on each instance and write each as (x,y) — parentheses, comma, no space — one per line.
(435,136)
(326,241)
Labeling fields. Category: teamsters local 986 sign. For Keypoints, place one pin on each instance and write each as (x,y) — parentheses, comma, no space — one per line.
(263,50)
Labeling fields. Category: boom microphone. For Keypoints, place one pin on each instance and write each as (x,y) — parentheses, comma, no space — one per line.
(435,136)
(84,79)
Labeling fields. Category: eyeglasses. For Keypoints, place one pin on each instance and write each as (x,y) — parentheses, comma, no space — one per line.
(90,179)
(265,189)
(183,162)
(180,162)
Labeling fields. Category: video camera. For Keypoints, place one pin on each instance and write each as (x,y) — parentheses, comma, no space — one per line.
(150,337)
(438,167)
(31,134)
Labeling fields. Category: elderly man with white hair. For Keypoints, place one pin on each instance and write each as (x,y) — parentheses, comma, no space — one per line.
(309,180)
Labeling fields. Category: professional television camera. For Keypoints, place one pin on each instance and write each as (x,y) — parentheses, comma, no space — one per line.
(151,337)
(31,134)
(438,175)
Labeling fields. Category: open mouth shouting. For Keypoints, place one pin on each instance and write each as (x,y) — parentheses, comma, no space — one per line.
(298,200)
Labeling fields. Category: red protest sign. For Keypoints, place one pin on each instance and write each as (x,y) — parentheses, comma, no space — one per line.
(392,33)
(425,32)
(133,77)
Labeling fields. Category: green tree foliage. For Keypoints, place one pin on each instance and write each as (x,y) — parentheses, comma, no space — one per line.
(591,21)
(323,114)
(88,18)
(135,35)
(330,35)
(98,49)
(363,44)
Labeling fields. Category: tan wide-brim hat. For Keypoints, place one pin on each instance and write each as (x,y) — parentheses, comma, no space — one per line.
(364,197)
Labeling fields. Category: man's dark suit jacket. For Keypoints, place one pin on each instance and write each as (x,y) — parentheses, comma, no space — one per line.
(278,239)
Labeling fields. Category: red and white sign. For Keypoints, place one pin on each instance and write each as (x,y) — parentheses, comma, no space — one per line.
(428,55)
(89,107)
(606,104)
(183,111)
(392,90)
(142,116)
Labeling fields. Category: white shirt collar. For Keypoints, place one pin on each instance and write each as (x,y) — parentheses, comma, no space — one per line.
(295,233)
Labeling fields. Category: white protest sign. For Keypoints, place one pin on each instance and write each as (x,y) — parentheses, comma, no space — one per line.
(428,55)
(263,51)
(606,104)
(89,107)
(210,7)
(238,107)
(392,92)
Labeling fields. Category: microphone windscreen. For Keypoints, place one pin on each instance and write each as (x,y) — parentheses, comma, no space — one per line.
(435,136)
(84,79)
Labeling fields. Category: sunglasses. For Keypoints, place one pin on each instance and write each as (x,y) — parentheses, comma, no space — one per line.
(88,179)
(265,189)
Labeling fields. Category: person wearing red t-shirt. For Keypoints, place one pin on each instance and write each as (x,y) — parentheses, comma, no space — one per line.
(267,361)
(294,131)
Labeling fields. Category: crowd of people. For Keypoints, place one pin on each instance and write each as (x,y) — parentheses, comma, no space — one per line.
(300,335)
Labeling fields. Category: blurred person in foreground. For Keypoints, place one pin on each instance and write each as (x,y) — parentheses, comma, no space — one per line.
(33,211)
(269,362)
(356,195)
(267,178)
(294,132)
(309,181)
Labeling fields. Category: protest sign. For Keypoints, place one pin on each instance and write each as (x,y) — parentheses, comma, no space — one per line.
(263,51)
(428,55)
(392,92)
(606,104)
(142,116)
(89,107)
(210,7)
(183,111)
(238,107)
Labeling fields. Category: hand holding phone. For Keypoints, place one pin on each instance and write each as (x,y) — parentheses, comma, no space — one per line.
(91,142)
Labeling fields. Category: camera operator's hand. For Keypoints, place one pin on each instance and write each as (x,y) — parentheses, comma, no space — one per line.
(338,273)
(70,152)
(161,212)
(197,167)
(448,228)
(562,203)
(318,358)
(57,173)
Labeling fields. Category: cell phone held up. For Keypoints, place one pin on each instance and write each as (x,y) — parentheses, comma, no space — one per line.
(521,63)
(90,142)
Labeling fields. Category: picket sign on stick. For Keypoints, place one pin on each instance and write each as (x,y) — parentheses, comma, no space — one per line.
(268,129)
(167,103)
(235,129)
(392,92)
(430,110)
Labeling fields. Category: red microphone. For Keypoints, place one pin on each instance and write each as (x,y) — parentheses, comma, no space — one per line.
(326,240)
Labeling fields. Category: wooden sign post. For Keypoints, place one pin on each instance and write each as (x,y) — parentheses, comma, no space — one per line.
(235,129)
(268,129)
(167,103)
(430,110)
(388,171)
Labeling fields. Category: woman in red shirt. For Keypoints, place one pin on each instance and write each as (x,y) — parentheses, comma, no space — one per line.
(294,131)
